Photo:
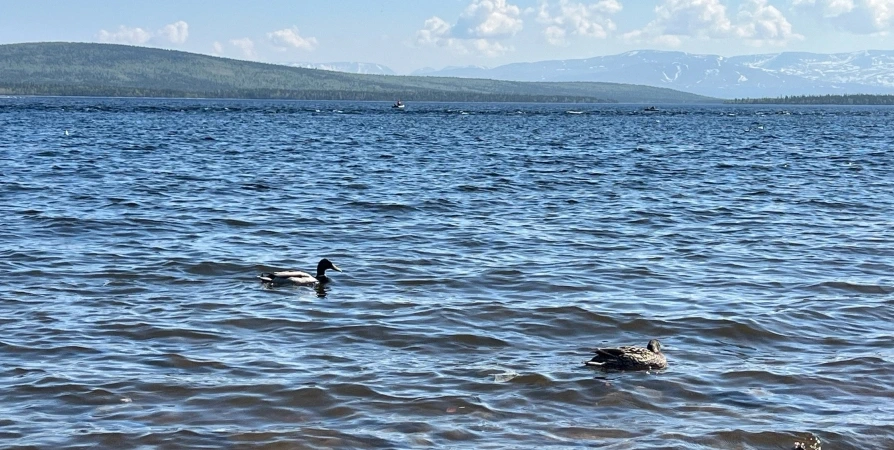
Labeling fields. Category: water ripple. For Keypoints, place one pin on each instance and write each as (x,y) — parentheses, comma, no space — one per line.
(487,249)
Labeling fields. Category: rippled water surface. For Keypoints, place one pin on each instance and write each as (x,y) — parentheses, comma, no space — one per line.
(486,249)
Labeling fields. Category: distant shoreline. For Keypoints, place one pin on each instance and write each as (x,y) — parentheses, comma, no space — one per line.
(842,99)
(818,101)
(498,98)
(384,102)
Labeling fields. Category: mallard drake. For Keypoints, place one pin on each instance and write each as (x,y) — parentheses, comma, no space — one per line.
(630,358)
(298,277)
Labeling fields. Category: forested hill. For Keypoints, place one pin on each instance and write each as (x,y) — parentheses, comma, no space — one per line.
(59,68)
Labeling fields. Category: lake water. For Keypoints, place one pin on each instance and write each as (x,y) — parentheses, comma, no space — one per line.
(486,249)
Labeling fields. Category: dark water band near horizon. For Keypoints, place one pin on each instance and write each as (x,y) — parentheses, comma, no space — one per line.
(486,249)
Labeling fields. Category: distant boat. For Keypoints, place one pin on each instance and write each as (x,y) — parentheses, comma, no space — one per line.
(651,109)
(398,105)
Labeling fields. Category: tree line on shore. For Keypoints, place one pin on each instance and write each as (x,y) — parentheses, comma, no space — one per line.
(284,94)
(829,99)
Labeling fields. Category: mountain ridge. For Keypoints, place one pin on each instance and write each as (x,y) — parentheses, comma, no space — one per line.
(758,75)
(65,68)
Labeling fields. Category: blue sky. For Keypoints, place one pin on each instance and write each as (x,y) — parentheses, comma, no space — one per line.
(412,34)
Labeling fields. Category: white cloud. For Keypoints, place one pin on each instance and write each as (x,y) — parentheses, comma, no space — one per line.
(704,18)
(480,29)
(124,35)
(217,49)
(882,13)
(490,48)
(762,23)
(175,33)
(555,34)
(489,19)
(433,32)
(828,8)
(834,8)
(246,46)
(854,16)
(581,19)
(677,20)
(289,37)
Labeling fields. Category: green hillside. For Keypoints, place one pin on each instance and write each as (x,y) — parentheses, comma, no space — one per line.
(59,68)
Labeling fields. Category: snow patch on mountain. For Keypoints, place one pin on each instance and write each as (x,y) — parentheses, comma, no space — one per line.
(763,75)
(349,67)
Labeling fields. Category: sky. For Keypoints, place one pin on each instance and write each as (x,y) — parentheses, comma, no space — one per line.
(406,35)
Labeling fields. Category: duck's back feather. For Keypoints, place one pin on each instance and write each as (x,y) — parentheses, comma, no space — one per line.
(288,276)
(292,273)
(628,358)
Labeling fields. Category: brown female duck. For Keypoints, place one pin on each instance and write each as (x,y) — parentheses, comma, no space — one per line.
(630,358)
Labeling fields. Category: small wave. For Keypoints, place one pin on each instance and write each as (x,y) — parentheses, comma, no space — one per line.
(852,287)
(145,331)
(475,188)
(210,268)
(238,223)
(866,362)
(381,207)
(256,187)
(475,340)
(178,361)
(532,379)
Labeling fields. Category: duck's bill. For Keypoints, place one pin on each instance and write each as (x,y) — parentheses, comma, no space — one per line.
(334,267)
